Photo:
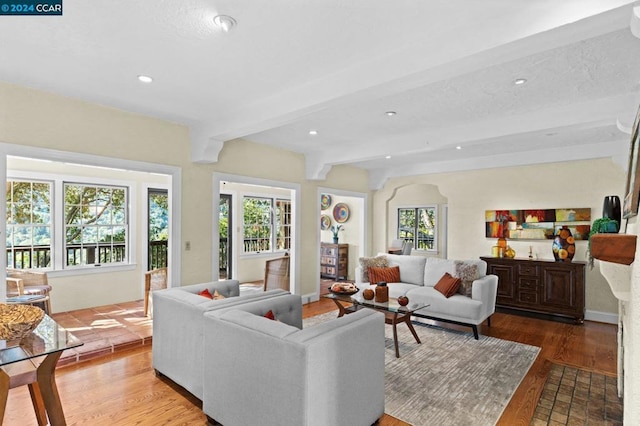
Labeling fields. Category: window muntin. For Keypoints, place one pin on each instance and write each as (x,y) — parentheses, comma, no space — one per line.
(419,225)
(266,224)
(96,224)
(29,224)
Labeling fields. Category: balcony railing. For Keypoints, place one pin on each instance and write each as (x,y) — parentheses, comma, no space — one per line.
(40,256)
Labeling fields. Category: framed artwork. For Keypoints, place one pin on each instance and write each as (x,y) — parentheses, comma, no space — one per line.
(325,222)
(537,224)
(632,192)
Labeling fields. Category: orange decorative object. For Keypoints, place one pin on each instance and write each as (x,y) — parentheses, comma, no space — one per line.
(368,294)
(382,292)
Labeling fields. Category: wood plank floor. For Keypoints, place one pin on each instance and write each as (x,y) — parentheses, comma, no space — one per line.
(120,388)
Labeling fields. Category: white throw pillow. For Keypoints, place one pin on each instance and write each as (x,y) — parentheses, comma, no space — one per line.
(411,268)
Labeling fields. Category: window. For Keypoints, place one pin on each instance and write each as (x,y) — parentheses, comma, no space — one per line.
(419,226)
(267,224)
(96,224)
(28,224)
(90,227)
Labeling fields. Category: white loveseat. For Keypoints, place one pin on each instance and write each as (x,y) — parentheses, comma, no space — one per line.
(420,274)
(273,373)
(179,329)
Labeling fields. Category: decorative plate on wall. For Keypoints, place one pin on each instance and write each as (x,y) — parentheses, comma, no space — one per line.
(325,222)
(341,212)
(325,201)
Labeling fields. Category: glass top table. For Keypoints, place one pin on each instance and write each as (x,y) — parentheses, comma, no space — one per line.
(32,360)
(394,313)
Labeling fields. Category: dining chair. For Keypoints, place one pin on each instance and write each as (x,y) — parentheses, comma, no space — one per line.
(33,283)
(276,273)
(156,279)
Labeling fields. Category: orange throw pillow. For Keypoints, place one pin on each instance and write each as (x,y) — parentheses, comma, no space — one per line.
(206,293)
(448,285)
(388,275)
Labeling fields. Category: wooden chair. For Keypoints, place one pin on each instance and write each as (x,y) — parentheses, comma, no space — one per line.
(155,279)
(32,283)
(276,273)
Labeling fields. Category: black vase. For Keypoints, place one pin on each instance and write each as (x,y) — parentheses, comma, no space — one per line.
(611,208)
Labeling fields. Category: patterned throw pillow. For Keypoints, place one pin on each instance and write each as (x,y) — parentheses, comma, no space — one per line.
(448,285)
(372,262)
(467,272)
(388,275)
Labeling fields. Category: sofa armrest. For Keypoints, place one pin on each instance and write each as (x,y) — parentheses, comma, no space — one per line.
(485,289)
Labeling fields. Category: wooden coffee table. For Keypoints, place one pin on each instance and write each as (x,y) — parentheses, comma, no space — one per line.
(394,313)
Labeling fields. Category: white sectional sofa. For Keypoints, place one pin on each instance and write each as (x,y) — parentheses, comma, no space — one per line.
(273,373)
(179,329)
(420,274)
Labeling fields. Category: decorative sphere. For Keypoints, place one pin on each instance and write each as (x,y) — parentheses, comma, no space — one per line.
(368,294)
(403,300)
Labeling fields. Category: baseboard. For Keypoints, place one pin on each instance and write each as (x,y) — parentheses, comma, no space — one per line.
(605,317)
(311,297)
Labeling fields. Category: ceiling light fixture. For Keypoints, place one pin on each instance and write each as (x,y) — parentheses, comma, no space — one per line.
(390,113)
(145,78)
(313,132)
(520,81)
(387,157)
(225,22)
(458,147)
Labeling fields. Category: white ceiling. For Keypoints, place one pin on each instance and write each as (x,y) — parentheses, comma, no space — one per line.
(446,67)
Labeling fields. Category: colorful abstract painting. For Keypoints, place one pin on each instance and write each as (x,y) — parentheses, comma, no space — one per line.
(537,224)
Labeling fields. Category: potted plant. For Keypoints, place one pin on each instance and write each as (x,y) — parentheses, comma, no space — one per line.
(335,229)
(604,225)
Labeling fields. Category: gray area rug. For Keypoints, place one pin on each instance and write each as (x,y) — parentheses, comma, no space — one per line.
(451,378)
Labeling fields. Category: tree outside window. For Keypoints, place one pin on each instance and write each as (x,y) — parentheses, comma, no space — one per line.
(29,225)
(267,224)
(96,224)
(418,225)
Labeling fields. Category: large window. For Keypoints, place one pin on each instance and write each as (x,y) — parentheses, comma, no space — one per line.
(267,224)
(96,224)
(91,227)
(419,226)
(29,227)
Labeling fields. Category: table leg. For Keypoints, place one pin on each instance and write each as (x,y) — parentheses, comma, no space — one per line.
(407,319)
(4,392)
(38,404)
(394,321)
(341,310)
(49,390)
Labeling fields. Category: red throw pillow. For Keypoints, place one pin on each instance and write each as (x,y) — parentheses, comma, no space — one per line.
(206,293)
(388,275)
(448,285)
(270,315)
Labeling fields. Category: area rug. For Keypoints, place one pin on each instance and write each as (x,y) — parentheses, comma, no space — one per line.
(451,378)
(574,396)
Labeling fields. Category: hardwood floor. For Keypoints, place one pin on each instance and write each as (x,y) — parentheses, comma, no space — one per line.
(122,389)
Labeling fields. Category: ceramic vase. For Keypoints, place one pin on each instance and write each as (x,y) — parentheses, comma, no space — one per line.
(335,240)
(611,209)
(563,246)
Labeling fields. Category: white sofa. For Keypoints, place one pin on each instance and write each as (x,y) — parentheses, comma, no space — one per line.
(420,274)
(272,373)
(178,328)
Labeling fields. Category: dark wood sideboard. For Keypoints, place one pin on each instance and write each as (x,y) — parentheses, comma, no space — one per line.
(554,290)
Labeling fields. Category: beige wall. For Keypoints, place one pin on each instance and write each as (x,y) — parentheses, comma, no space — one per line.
(39,119)
(469,194)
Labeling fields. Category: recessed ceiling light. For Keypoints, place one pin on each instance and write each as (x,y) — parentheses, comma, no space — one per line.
(458,147)
(387,157)
(225,22)
(520,81)
(390,113)
(313,132)
(145,78)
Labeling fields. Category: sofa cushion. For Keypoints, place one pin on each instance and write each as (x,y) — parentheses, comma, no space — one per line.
(258,323)
(369,262)
(448,285)
(456,307)
(388,275)
(468,273)
(411,267)
(436,268)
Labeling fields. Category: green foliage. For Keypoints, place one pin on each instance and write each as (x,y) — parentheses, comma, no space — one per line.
(158,217)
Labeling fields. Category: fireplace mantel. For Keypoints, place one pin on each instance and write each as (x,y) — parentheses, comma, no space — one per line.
(616,252)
